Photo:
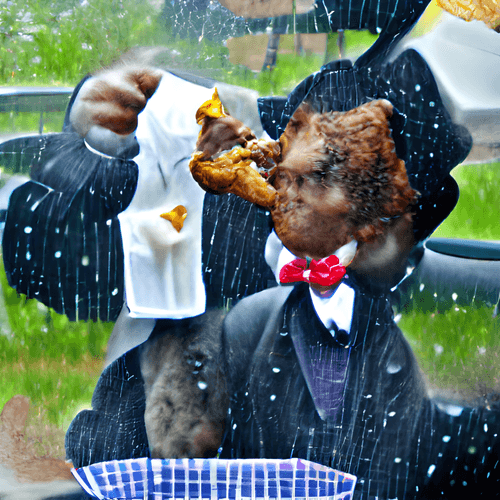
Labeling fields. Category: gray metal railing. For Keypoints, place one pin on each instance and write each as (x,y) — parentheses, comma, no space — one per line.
(34,100)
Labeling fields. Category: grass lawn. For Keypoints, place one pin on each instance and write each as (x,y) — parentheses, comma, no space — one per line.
(15,123)
(55,42)
(459,348)
(477,214)
(55,362)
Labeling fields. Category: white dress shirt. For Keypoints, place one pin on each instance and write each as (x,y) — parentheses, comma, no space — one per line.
(163,274)
(338,308)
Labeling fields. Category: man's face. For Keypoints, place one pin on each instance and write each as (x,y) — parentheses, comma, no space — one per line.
(339,179)
(310,214)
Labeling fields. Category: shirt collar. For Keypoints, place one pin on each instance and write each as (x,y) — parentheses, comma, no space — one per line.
(335,309)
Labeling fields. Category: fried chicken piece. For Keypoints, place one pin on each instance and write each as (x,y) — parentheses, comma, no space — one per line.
(340,179)
(176,217)
(265,154)
(487,11)
(233,171)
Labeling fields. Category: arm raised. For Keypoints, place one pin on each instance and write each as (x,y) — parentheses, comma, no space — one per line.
(105,111)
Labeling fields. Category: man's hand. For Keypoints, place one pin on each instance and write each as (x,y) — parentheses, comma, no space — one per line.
(221,134)
(113,98)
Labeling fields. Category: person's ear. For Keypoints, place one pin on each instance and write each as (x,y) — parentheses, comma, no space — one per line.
(300,119)
(382,262)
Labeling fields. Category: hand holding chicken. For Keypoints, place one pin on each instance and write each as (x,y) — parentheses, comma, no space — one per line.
(233,171)
(333,180)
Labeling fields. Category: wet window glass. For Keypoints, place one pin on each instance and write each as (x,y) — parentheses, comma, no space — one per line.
(261,236)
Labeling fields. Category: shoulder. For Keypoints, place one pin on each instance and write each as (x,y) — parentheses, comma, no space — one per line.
(246,323)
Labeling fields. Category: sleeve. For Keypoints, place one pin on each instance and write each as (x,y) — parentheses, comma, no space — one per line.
(234,237)
(245,325)
(425,136)
(61,243)
(114,429)
(67,124)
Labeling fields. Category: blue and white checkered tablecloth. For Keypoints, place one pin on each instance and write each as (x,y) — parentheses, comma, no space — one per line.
(214,479)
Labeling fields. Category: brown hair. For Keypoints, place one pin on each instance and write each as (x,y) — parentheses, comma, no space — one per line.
(361,156)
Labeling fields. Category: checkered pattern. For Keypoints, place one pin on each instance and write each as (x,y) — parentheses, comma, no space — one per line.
(214,479)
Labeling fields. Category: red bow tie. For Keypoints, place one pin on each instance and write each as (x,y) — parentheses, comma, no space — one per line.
(324,272)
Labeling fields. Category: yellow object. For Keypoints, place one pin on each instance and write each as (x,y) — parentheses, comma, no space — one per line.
(232,172)
(212,108)
(487,11)
(428,20)
(176,217)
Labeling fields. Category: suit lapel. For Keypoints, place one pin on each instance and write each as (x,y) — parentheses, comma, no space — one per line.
(322,359)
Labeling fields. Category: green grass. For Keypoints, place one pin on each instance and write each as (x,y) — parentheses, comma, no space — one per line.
(290,70)
(51,42)
(57,42)
(12,123)
(458,349)
(44,356)
(477,214)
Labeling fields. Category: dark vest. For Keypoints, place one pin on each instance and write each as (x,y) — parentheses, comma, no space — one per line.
(381,426)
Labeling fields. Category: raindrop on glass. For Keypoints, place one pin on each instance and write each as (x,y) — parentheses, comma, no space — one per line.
(393,368)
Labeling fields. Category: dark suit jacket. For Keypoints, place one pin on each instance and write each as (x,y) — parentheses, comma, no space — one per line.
(383,428)
(386,430)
